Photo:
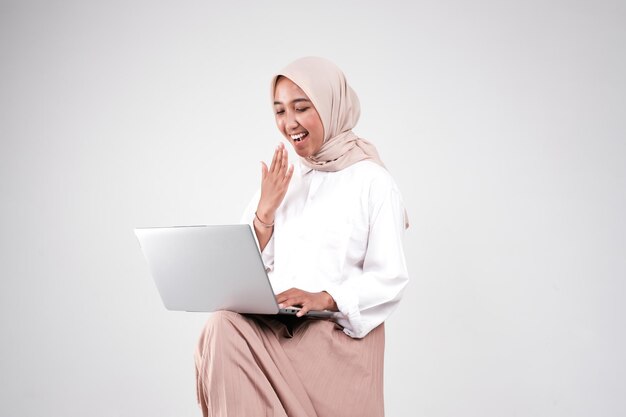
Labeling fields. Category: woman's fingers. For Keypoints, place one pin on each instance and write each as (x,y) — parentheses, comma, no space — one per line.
(305,309)
(282,298)
(289,297)
(280,163)
(273,167)
(275,180)
(284,164)
(289,174)
(307,301)
(279,160)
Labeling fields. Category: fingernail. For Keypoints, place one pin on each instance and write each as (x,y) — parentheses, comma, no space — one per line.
(281,305)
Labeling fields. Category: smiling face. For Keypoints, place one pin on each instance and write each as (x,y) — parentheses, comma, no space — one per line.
(297,119)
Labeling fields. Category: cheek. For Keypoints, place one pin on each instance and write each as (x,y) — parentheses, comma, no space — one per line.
(313,124)
(280,125)
(319,132)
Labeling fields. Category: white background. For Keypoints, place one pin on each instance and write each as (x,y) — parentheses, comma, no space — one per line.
(502,122)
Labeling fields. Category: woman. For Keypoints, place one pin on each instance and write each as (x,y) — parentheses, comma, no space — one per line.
(331,239)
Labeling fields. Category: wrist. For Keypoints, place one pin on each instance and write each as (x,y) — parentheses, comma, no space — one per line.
(262,223)
(330,302)
(265,216)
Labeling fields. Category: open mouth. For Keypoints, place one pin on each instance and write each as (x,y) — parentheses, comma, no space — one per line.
(299,137)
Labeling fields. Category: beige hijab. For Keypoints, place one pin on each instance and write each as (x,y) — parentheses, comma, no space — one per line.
(338,107)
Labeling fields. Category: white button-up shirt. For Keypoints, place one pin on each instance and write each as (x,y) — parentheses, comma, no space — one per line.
(341,232)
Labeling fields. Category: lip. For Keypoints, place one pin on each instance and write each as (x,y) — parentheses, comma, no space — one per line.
(301,141)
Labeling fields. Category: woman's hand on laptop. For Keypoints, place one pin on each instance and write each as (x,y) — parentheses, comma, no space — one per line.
(307,301)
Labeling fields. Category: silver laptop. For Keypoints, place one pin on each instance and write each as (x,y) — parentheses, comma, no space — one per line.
(210,268)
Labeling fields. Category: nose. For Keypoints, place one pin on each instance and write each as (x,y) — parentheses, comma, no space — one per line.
(291,123)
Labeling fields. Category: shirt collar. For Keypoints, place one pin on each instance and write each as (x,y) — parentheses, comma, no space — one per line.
(304,169)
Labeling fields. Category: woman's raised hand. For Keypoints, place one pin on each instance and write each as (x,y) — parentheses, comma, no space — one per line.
(274,183)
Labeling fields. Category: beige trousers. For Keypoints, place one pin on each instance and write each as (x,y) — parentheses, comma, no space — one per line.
(266,366)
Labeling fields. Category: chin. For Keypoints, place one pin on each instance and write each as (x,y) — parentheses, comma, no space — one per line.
(303,153)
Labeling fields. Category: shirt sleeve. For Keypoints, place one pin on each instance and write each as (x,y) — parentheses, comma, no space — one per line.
(366,300)
(267,255)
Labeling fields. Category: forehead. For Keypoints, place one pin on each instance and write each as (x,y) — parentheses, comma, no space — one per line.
(287,91)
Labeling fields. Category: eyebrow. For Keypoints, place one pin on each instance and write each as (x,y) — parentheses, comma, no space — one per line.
(297,100)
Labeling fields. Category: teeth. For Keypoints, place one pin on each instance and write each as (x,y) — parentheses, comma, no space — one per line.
(298,137)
